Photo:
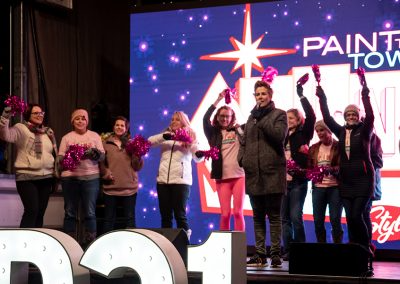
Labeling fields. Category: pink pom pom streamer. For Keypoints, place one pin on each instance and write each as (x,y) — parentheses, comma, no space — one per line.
(229,94)
(182,135)
(361,76)
(269,74)
(316,175)
(73,156)
(16,104)
(138,146)
(317,73)
(303,79)
(212,153)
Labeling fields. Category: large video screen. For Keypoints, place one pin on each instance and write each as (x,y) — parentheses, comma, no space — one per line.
(182,60)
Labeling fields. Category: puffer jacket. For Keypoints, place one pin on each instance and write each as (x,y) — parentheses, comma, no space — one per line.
(175,163)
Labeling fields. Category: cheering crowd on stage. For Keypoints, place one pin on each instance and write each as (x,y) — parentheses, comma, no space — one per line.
(269,158)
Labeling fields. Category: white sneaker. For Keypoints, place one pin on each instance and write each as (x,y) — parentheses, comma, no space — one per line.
(189,233)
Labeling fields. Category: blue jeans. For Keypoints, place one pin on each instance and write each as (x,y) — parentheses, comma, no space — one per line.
(172,200)
(110,211)
(321,198)
(292,213)
(78,191)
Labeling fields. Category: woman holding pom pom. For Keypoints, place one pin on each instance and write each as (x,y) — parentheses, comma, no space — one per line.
(224,133)
(119,173)
(325,153)
(80,177)
(178,147)
(35,168)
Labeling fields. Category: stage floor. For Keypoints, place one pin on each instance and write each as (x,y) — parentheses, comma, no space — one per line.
(385,272)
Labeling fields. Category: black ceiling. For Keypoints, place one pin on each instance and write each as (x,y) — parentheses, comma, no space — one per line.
(140,6)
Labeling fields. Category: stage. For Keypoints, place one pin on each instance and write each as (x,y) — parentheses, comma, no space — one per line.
(385,272)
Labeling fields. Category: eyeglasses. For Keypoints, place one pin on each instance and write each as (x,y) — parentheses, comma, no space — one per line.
(260,94)
(38,113)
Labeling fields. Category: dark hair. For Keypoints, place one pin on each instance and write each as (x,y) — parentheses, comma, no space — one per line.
(264,84)
(124,119)
(215,121)
(28,111)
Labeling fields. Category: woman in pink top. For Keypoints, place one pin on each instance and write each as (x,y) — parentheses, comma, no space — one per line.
(81,185)
(224,133)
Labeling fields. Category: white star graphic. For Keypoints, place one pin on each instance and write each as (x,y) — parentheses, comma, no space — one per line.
(247,54)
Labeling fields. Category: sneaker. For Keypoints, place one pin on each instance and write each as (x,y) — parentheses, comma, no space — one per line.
(257,261)
(276,261)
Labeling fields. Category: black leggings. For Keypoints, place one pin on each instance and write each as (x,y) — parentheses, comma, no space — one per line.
(34,196)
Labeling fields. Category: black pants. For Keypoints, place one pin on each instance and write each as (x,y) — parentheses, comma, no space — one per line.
(110,211)
(34,196)
(172,200)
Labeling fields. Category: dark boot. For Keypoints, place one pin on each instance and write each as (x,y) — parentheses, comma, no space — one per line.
(321,237)
(338,239)
(71,234)
(88,238)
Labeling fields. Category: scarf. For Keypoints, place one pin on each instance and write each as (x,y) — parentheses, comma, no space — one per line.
(38,131)
(259,113)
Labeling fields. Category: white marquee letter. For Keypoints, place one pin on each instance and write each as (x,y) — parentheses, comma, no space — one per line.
(306,46)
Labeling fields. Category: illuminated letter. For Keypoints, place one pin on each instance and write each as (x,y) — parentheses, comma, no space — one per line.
(306,47)
(389,38)
(392,60)
(332,45)
(379,64)
(150,254)
(359,38)
(222,258)
(53,252)
(356,56)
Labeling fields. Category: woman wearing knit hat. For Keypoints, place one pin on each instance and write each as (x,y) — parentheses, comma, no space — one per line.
(301,131)
(356,173)
(325,153)
(81,183)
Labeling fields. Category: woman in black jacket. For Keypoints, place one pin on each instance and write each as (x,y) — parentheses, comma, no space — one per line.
(356,172)
(300,134)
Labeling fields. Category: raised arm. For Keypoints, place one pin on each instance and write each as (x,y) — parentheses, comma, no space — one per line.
(328,119)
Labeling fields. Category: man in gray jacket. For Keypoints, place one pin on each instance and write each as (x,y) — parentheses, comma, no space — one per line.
(262,156)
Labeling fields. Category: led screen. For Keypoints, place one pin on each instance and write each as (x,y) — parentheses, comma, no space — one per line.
(181,60)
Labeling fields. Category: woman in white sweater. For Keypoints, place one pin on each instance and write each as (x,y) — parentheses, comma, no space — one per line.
(34,164)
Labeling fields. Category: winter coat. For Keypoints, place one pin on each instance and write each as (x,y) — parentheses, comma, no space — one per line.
(262,153)
(123,167)
(356,174)
(176,160)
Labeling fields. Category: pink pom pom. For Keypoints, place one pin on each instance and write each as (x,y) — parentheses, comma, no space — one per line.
(16,104)
(317,74)
(303,79)
(182,135)
(229,94)
(316,175)
(73,156)
(269,74)
(212,153)
(138,146)
(361,76)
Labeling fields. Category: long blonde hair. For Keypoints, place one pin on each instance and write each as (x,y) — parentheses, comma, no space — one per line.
(184,119)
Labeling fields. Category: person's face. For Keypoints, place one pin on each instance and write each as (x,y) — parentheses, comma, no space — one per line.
(80,124)
(37,116)
(224,118)
(323,134)
(175,123)
(119,127)
(262,96)
(293,122)
(351,118)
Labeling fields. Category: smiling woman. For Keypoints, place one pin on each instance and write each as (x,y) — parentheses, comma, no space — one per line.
(34,164)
